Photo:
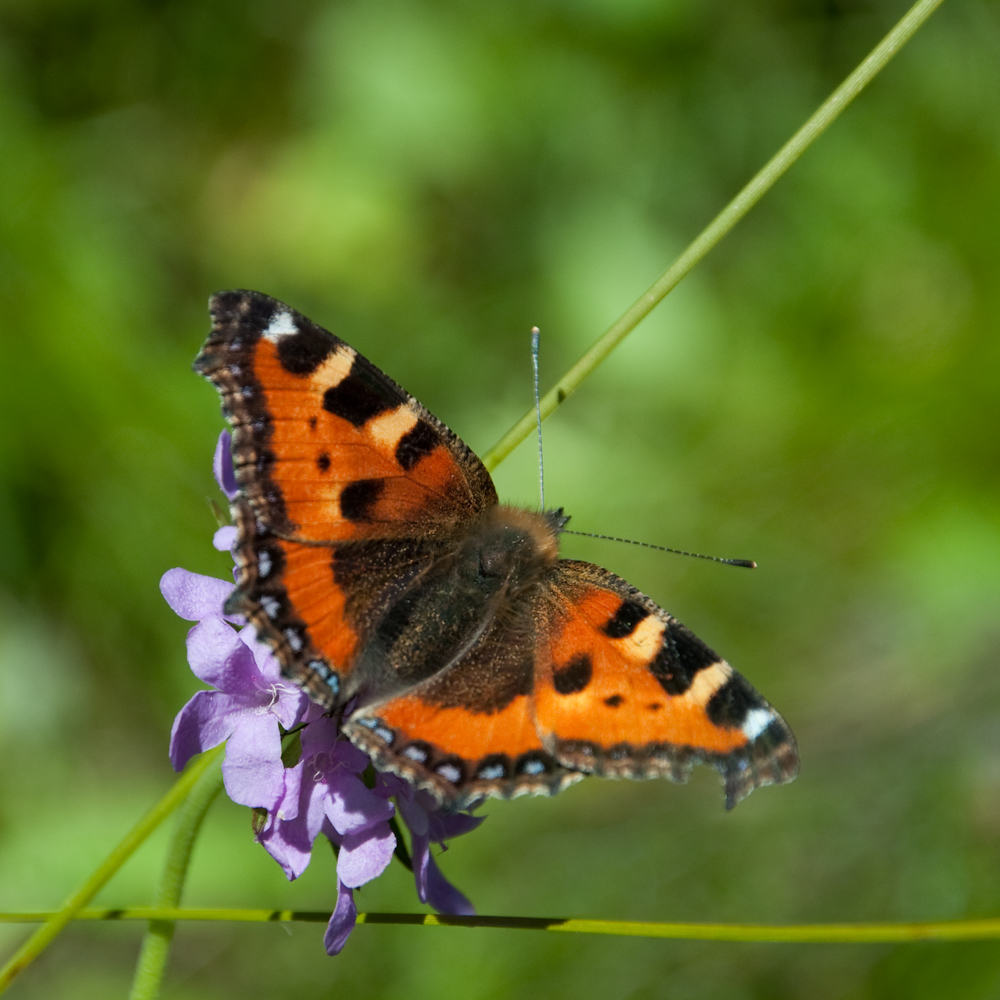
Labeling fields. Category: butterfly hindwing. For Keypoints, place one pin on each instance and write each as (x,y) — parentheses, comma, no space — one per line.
(469,730)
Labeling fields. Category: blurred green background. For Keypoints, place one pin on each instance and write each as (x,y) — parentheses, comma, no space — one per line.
(430,180)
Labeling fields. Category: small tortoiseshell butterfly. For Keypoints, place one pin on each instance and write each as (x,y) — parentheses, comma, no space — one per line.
(461,652)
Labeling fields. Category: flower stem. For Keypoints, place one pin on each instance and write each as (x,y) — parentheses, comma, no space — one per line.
(152,961)
(55,922)
(814,127)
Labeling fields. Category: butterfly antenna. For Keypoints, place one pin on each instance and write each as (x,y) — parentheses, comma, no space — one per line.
(745,563)
(536,335)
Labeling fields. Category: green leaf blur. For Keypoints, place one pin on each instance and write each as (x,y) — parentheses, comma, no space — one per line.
(430,180)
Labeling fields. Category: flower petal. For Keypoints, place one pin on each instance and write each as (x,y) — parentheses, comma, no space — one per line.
(442,895)
(209,644)
(285,842)
(414,813)
(194,596)
(267,662)
(387,785)
(322,737)
(365,856)
(313,799)
(252,771)
(222,466)
(204,722)
(287,807)
(338,930)
(290,705)
(225,538)
(347,756)
(432,887)
(351,806)
(217,657)
(420,849)
(286,836)
(288,701)
(443,826)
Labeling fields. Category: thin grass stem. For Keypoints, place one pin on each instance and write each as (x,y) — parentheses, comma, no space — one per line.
(56,921)
(987,929)
(152,962)
(816,125)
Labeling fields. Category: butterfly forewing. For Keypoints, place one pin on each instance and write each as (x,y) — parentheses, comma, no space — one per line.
(329,454)
(622,689)
(326,447)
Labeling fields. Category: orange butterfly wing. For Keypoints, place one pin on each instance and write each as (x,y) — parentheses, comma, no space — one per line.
(469,730)
(331,456)
(586,675)
(622,689)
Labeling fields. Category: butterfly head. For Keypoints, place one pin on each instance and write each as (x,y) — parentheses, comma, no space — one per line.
(516,545)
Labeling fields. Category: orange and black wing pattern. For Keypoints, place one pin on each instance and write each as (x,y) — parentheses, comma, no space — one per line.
(470,730)
(589,676)
(462,653)
(622,689)
(336,464)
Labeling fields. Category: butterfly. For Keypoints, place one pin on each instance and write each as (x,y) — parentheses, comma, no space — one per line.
(459,651)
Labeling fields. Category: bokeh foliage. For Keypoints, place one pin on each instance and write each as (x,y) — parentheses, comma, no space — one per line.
(429,180)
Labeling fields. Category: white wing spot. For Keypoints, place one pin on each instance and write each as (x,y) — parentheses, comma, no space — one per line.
(281,325)
(757,720)
(264,565)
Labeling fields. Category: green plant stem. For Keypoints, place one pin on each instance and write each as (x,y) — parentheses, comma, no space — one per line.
(152,961)
(55,922)
(987,929)
(718,227)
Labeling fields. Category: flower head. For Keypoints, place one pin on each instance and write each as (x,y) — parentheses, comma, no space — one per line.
(324,793)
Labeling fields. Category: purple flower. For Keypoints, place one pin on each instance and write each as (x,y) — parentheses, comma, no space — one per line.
(323,794)
(428,824)
(249,704)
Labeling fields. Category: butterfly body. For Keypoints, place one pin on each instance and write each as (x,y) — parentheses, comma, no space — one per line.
(461,652)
